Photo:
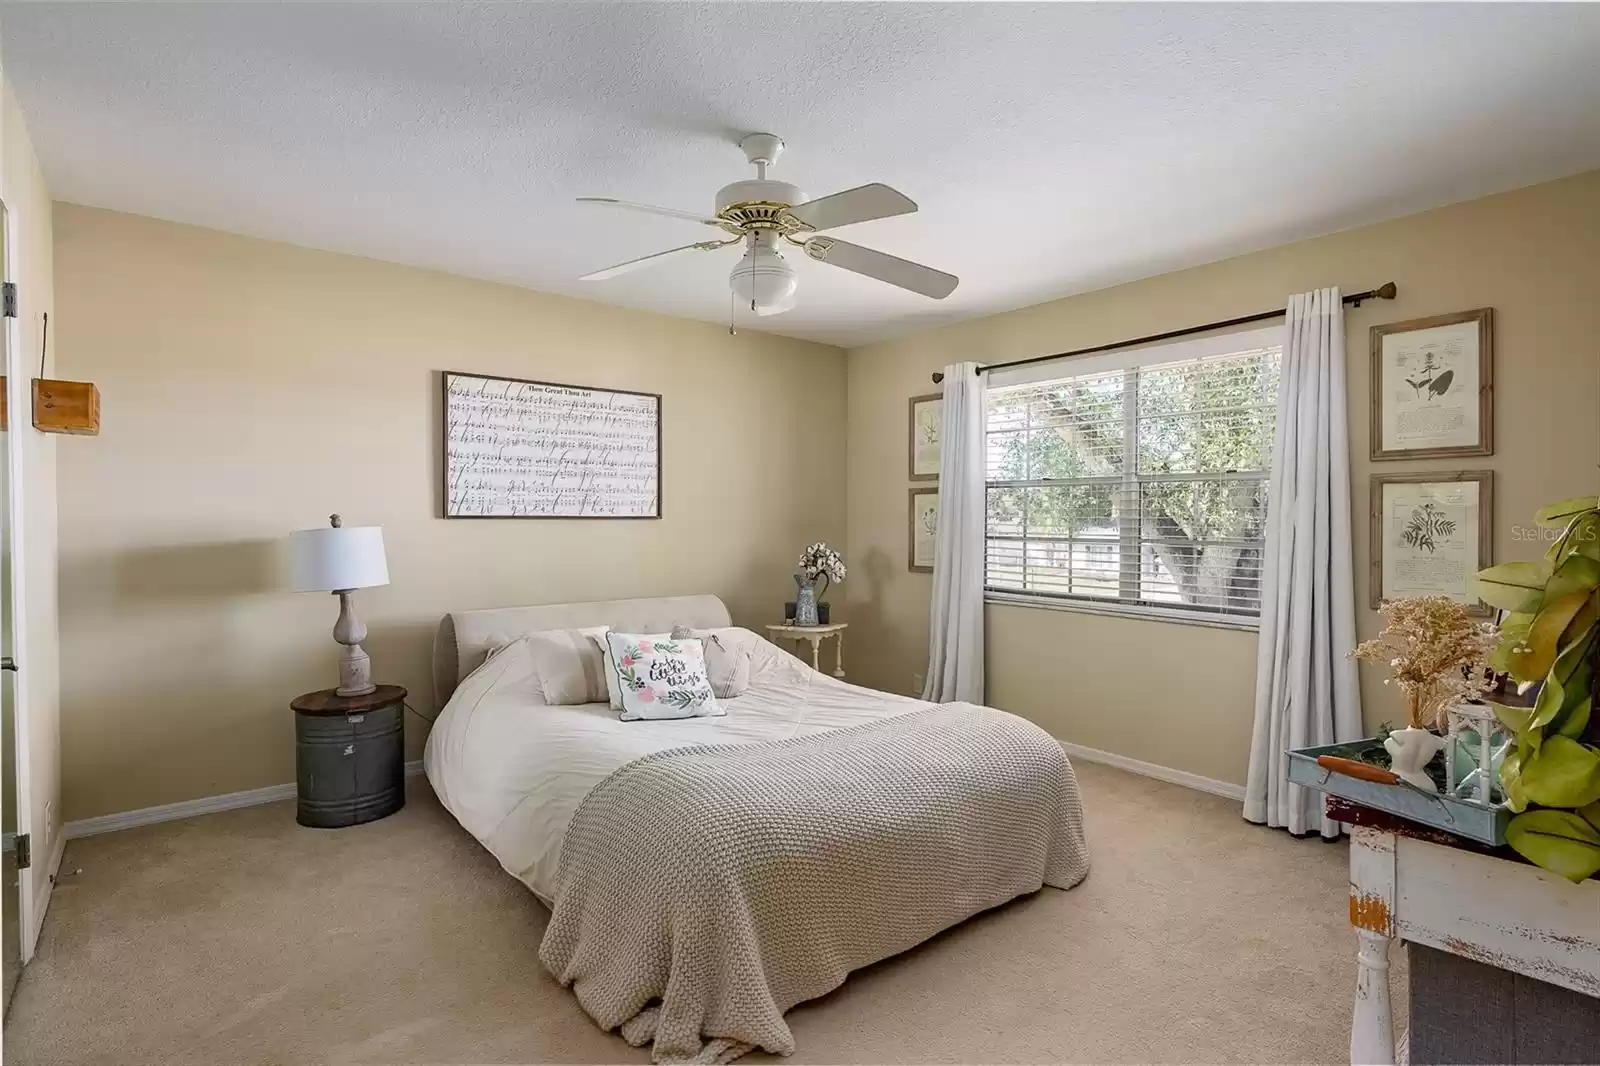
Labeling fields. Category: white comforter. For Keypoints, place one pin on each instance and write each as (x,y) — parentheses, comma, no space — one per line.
(513,770)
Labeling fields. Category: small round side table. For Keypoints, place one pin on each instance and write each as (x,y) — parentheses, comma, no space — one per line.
(349,756)
(815,634)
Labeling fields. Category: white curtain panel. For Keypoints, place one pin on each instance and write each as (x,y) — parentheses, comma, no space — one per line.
(955,629)
(1306,689)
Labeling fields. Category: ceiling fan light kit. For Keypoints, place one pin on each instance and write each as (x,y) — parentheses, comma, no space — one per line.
(762,278)
(760,213)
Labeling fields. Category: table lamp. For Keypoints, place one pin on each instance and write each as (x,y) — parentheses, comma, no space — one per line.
(341,559)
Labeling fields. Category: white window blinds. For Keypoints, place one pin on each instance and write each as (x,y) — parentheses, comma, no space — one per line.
(1139,481)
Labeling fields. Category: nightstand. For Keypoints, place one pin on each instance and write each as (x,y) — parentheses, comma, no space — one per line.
(349,756)
(815,634)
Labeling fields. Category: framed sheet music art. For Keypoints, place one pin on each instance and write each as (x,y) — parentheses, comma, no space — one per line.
(537,449)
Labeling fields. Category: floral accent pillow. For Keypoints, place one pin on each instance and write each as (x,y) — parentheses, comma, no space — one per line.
(659,677)
(614,690)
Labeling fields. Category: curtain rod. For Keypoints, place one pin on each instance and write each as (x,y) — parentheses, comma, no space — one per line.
(1382,292)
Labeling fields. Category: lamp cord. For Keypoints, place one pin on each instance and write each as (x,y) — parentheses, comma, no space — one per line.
(419,714)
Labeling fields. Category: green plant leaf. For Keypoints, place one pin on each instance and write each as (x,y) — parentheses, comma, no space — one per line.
(1559,514)
(1574,718)
(1574,573)
(1515,586)
(1578,681)
(1513,634)
(1582,622)
(1511,780)
(1559,841)
(1515,719)
(1545,708)
(1575,687)
(1573,658)
(1591,814)
(1544,636)
(1581,531)
(1584,537)
(1564,773)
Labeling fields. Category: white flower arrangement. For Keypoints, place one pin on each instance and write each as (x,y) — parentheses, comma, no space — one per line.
(819,560)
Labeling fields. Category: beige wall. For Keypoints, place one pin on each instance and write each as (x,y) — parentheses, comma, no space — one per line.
(27,199)
(250,388)
(1182,696)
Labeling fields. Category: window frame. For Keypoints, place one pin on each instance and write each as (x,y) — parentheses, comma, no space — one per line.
(1129,483)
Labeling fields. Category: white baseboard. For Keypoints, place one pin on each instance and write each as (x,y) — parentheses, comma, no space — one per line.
(1160,773)
(171,812)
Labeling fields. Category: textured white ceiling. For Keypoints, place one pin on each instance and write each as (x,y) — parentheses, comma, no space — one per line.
(1052,148)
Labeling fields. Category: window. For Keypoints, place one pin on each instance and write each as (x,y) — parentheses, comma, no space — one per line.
(1137,482)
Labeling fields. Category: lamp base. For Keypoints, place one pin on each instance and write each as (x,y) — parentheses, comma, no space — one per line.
(355,672)
(355,669)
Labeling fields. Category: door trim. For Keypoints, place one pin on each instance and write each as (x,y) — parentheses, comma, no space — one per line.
(18,404)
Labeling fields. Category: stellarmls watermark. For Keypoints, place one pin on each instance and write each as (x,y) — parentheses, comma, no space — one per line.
(1522,532)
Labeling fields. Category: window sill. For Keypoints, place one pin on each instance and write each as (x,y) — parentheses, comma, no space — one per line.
(1176,616)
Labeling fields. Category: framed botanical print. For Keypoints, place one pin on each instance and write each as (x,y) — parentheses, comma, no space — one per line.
(1432,387)
(927,420)
(924,527)
(1431,535)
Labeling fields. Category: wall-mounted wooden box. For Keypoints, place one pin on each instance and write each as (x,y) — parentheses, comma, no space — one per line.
(66,406)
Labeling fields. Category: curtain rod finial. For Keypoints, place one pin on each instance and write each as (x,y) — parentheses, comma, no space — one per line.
(938,377)
(1387,291)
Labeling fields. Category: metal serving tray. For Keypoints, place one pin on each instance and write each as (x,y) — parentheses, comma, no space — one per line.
(1463,817)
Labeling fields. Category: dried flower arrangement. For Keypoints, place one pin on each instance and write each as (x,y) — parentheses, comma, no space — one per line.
(1436,653)
(821,561)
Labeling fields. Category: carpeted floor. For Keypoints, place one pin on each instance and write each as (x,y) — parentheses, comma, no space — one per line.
(242,938)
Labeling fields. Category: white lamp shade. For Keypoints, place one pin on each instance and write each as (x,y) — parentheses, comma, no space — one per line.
(328,559)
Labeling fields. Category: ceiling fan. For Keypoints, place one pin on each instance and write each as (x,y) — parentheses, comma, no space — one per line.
(760,214)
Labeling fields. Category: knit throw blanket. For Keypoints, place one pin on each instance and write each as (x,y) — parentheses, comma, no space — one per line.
(704,891)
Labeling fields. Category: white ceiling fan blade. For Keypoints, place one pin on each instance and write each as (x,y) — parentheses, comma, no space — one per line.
(862,204)
(881,265)
(650,260)
(649,209)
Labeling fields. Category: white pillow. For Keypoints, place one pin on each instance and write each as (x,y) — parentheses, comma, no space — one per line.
(659,677)
(727,657)
(570,665)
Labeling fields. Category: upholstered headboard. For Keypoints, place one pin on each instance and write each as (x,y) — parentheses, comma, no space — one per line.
(465,637)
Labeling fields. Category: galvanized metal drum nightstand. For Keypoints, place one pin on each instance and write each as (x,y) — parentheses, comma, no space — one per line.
(349,756)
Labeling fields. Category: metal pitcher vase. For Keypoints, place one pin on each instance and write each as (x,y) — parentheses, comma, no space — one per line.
(805,603)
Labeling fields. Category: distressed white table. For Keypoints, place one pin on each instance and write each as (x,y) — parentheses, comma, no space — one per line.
(815,634)
(1507,914)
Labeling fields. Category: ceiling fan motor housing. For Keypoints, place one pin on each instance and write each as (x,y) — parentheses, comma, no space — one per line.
(759,204)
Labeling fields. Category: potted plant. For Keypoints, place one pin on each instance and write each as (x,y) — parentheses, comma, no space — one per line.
(817,561)
(1548,638)
(1438,656)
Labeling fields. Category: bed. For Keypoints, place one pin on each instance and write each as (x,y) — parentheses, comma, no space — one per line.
(706,874)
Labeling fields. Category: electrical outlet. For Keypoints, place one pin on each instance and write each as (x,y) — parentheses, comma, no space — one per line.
(50,817)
